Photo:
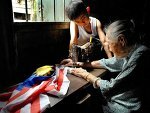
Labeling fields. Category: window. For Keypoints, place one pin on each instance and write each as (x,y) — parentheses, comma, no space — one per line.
(39,10)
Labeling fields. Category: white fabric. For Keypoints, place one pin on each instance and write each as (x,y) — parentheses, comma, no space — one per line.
(35,99)
(84,37)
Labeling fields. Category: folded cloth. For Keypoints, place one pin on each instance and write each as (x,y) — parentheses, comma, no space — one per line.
(32,94)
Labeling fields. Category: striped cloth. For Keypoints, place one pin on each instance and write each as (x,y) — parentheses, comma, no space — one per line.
(31,96)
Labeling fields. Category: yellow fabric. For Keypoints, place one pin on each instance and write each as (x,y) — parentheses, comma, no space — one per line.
(44,70)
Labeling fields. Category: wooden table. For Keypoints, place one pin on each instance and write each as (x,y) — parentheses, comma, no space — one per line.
(76,88)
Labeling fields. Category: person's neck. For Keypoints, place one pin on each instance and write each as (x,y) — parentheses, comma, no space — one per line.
(88,25)
(125,52)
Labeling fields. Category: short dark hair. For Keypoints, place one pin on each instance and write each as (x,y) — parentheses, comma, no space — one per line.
(75,9)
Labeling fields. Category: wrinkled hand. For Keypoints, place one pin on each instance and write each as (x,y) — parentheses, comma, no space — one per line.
(67,62)
(79,72)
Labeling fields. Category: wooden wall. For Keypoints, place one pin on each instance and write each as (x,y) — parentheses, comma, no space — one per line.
(40,44)
(7,49)
(26,46)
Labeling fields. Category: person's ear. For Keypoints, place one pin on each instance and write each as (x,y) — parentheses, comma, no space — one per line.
(122,40)
(88,9)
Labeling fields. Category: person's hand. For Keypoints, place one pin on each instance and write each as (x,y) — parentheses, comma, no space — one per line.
(86,75)
(79,72)
(85,46)
(67,62)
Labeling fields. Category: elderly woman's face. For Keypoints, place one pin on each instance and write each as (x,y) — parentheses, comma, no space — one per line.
(114,46)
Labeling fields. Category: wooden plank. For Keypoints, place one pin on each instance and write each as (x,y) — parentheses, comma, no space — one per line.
(66,4)
(48,11)
(53,10)
(21,10)
(76,84)
(59,10)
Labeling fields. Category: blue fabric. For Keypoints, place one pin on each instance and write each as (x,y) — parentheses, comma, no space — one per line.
(113,64)
(122,93)
(32,80)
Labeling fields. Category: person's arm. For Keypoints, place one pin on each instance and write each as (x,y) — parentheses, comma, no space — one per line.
(93,64)
(102,38)
(73,34)
(87,76)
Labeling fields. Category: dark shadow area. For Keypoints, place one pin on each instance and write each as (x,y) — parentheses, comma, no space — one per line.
(27,46)
(40,44)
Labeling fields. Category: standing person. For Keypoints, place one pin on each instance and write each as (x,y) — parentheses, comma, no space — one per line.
(128,91)
(82,27)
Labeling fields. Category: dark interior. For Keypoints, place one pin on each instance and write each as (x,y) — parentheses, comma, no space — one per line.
(26,46)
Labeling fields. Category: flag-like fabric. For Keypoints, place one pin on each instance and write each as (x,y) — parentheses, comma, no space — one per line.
(31,96)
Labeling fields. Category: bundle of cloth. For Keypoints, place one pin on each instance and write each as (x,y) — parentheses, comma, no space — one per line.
(32,95)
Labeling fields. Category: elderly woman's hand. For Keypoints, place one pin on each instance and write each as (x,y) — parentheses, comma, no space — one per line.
(80,72)
(87,76)
(67,62)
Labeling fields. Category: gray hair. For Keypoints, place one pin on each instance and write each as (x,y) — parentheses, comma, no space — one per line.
(121,27)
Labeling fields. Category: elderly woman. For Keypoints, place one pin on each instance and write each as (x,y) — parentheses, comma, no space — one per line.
(126,92)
